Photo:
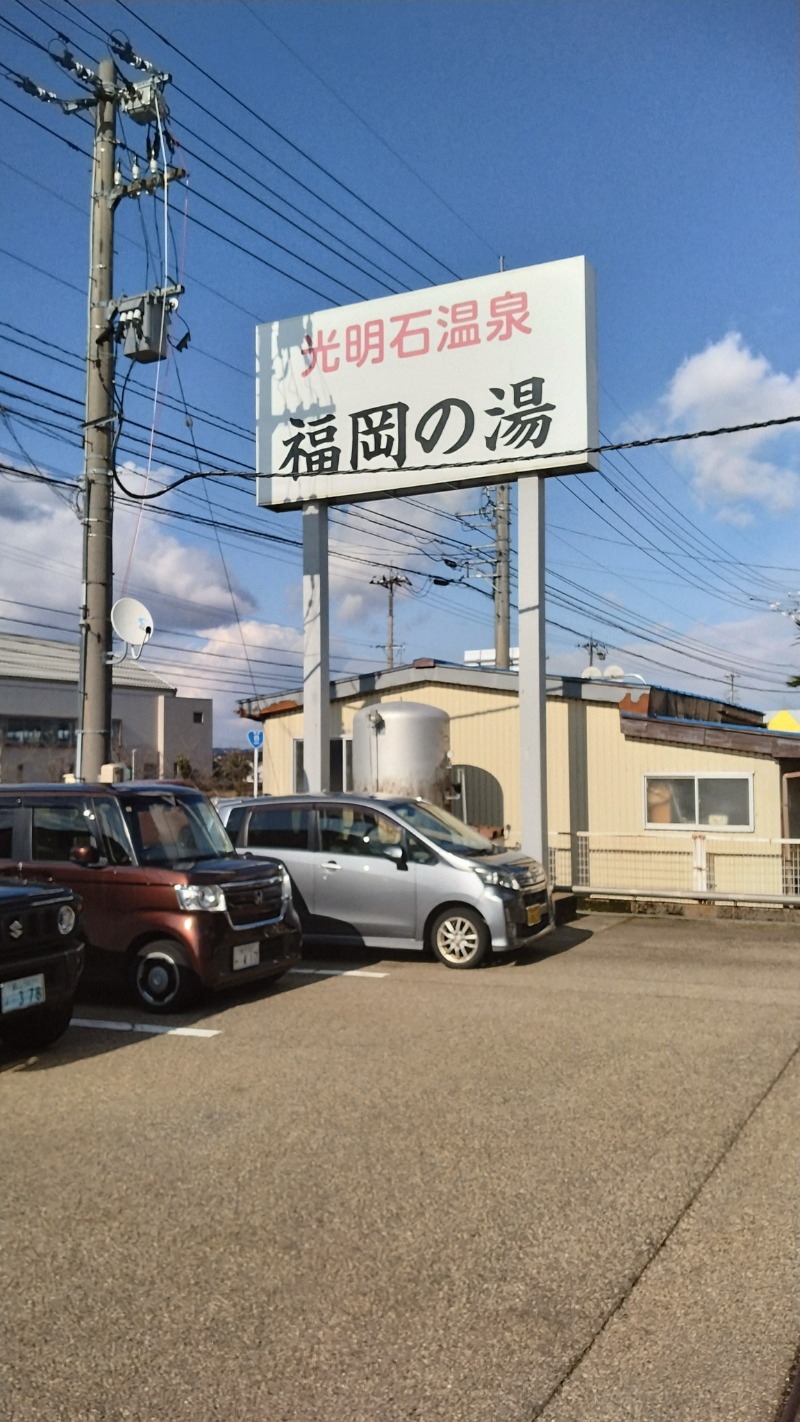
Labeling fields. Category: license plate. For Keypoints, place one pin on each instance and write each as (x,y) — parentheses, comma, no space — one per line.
(534,914)
(246,955)
(23,992)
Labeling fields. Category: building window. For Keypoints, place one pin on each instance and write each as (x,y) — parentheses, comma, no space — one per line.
(34,731)
(341,766)
(197,717)
(712,802)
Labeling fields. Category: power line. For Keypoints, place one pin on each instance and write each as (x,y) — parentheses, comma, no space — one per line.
(308,231)
(265,157)
(499,461)
(368,126)
(290,144)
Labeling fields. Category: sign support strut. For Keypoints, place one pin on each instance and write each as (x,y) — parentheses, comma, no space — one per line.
(532,670)
(316,649)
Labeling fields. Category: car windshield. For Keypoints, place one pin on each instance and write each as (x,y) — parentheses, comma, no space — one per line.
(442,828)
(166,827)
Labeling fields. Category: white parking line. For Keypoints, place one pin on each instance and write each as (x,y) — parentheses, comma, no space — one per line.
(338,972)
(149,1027)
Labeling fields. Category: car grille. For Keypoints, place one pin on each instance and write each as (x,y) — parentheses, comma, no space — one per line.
(257,901)
(538,897)
(27,929)
(529,876)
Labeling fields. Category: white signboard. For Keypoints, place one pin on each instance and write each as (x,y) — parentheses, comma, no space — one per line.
(469,383)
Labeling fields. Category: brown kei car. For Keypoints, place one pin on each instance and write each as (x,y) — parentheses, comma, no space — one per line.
(168,904)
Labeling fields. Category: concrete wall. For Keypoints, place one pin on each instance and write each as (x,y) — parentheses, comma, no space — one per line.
(186,726)
(154,730)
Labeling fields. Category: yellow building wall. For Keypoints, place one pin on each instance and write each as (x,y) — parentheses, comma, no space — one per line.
(276,759)
(617,768)
(483,732)
(595,777)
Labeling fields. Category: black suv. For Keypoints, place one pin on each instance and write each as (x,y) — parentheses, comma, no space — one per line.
(41,956)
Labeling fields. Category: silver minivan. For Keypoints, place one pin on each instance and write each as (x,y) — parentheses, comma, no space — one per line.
(387,872)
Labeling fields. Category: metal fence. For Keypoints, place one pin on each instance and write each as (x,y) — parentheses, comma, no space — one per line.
(695,866)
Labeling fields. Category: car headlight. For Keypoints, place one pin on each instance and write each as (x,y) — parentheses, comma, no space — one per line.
(193,897)
(66,919)
(501,877)
(286,887)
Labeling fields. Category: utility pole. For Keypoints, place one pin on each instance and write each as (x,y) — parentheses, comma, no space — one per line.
(94,695)
(502,581)
(390,581)
(142,322)
(593,646)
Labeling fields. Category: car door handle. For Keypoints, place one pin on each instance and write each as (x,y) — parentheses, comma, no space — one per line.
(331,864)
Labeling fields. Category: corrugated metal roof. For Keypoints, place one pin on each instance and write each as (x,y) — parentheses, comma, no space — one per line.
(38,659)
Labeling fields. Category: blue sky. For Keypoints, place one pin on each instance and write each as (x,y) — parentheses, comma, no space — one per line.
(342,151)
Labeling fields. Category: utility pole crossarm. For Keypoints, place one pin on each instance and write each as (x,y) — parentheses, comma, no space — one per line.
(150,184)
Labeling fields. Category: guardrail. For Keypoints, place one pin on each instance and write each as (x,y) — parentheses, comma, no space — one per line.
(692,865)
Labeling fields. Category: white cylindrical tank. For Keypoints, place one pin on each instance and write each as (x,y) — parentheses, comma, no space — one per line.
(402,748)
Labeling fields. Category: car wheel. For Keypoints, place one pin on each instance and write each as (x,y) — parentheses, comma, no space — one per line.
(459,938)
(40,1027)
(160,981)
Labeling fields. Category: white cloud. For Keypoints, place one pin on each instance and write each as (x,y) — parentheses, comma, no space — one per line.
(727,384)
(184,587)
(234,661)
(51,541)
(389,534)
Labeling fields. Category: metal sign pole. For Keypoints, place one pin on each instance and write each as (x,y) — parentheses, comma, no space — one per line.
(316,650)
(256,739)
(532,671)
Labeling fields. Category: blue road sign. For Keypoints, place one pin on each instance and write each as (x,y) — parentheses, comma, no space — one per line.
(256,739)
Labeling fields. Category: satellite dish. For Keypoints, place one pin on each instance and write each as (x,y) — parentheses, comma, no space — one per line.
(590,674)
(613,673)
(132,623)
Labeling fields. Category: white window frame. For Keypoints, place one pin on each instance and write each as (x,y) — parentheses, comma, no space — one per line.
(695,827)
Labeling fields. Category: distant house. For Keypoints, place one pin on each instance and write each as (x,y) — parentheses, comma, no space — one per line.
(632,770)
(153,729)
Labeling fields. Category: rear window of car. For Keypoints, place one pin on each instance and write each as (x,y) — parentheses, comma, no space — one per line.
(279,827)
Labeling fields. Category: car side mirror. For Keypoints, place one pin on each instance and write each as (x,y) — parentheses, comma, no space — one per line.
(396,853)
(85,854)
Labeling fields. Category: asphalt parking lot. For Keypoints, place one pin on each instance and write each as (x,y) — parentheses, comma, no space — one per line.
(562,1188)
